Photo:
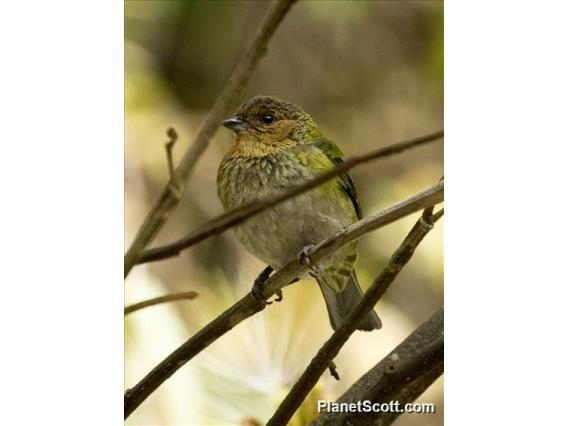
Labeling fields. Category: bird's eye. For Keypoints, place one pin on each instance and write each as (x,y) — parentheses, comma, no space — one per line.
(267,119)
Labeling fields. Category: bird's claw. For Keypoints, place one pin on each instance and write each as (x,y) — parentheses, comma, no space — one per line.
(257,290)
(304,256)
(258,286)
(315,271)
(304,259)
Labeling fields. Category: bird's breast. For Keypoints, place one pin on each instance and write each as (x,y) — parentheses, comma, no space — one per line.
(241,180)
(277,235)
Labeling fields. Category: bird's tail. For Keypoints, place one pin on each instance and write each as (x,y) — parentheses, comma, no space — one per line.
(340,304)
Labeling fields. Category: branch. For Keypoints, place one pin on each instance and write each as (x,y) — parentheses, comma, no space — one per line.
(174,186)
(420,357)
(239,215)
(249,305)
(331,348)
(188,295)
(224,104)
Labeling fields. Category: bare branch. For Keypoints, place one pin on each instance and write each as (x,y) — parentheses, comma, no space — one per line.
(188,295)
(331,348)
(249,305)
(437,215)
(420,358)
(333,371)
(174,185)
(242,213)
(224,104)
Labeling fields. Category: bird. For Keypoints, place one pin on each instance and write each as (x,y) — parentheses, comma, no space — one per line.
(277,146)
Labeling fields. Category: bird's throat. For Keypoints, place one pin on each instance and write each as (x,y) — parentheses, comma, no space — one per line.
(250,147)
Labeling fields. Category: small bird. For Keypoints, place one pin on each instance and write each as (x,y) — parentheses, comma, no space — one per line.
(278,146)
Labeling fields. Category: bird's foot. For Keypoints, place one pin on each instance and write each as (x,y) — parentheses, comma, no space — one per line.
(258,287)
(304,256)
(304,259)
(315,271)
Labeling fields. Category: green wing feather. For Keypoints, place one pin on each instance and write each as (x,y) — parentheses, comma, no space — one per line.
(336,156)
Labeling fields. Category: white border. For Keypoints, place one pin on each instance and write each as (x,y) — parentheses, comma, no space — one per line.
(61,174)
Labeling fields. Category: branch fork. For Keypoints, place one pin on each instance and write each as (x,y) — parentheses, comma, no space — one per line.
(250,305)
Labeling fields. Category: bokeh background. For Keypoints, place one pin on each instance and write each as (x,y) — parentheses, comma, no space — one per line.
(371,74)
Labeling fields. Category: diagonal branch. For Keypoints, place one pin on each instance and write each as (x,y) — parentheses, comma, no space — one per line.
(331,348)
(420,358)
(224,104)
(187,295)
(242,213)
(249,305)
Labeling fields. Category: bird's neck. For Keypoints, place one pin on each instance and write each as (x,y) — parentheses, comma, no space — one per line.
(252,148)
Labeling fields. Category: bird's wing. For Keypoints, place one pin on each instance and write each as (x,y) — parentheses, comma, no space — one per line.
(332,152)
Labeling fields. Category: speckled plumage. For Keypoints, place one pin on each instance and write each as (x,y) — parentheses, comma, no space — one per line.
(270,158)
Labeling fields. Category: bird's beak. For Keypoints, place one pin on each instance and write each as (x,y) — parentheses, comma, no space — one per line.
(235,124)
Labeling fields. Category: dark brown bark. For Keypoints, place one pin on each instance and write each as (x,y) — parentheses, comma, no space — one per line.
(403,375)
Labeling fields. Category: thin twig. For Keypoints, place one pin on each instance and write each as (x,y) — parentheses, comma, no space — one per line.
(333,370)
(428,211)
(412,359)
(242,213)
(249,305)
(188,295)
(437,215)
(331,348)
(172,134)
(224,104)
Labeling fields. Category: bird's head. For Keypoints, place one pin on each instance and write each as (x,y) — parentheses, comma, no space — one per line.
(266,120)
